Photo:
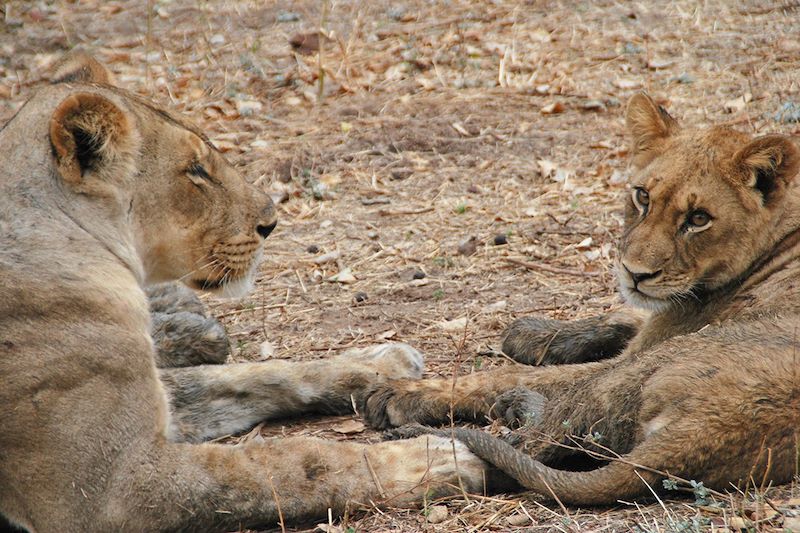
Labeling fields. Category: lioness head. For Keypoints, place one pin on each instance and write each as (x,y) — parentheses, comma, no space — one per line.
(192,215)
(704,205)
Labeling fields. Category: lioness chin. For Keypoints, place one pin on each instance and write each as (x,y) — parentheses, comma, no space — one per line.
(707,386)
(102,192)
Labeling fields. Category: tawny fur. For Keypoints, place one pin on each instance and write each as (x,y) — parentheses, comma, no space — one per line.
(101,193)
(708,389)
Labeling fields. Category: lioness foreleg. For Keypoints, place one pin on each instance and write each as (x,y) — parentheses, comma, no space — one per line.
(209,401)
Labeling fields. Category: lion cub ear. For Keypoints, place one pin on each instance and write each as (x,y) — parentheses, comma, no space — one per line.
(80,67)
(768,164)
(90,134)
(648,124)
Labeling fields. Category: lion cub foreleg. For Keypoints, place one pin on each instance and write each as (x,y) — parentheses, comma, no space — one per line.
(543,341)
(210,401)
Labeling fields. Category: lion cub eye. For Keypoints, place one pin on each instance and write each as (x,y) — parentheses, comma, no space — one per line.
(698,220)
(641,199)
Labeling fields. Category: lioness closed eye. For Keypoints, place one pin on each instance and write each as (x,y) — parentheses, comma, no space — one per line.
(707,387)
(100,193)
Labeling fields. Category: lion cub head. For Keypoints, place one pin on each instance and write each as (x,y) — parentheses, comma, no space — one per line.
(189,214)
(704,206)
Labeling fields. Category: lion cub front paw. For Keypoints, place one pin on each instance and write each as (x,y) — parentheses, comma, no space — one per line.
(395,360)
(520,407)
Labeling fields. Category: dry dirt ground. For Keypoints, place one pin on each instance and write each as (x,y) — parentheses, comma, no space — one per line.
(410,139)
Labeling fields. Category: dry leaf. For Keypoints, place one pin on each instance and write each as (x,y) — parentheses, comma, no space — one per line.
(459,324)
(546,167)
(627,83)
(326,258)
(657,63)
(552,109)
(344,276)
(738,104)
(266,350)
(386,335)
(348,427)
(516,520)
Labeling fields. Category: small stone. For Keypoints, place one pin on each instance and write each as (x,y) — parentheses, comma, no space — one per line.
(473,189)
(360,297)
(313,249)
(437,514)
(288,16)
(500,239)
(418,274)
(372,234)
(468,246)
(401,173)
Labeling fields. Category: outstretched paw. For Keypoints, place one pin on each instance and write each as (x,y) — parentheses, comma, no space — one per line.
(392,360)
(520,407)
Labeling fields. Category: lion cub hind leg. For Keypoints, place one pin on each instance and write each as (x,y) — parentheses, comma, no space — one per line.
(210,401)
(543,341)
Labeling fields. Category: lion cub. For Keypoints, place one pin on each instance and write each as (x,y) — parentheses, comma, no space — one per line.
(707,387)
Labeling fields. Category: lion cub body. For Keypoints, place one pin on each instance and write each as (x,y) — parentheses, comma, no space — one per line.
(706,385)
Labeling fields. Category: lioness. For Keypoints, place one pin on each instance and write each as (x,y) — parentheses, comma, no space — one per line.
(708,387)
(102,192)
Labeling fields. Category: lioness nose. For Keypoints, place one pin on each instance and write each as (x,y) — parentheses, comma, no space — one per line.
(638,277)
(265,229)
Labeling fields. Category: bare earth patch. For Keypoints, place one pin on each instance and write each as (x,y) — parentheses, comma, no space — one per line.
(408,140)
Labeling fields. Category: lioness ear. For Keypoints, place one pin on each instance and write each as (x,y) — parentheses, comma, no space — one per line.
(768,164)
(648,123)
(88,133)
(78,66)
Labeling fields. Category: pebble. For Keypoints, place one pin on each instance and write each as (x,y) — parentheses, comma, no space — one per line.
(468,246)
(372,234)
(360,297)
(418,274)
(500,238)
(313,249)
(437,514)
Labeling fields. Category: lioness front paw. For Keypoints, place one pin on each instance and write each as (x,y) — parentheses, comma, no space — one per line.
(426,466)
(394,360)
(187,339)
(173,298)
(520,407)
